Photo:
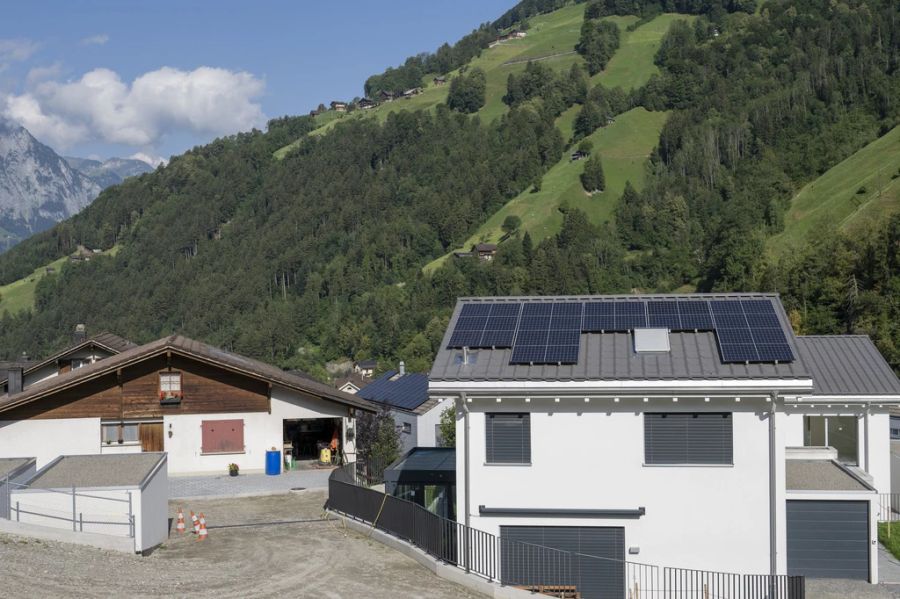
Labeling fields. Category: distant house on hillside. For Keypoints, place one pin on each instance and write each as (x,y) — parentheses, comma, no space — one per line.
(439,80)
(415,91)
(578,155)
(365,367)
(406,395)
(367,103)
(485,251)
(518,34)
(82,254)
(386,96)
(339,106)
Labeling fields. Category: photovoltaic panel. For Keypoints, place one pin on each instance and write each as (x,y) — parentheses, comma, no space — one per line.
(663,314)
(562,354)
(695,316)
(485,326)
(475,310)
(527,354)
(549,333)
(599,317)
(630,315)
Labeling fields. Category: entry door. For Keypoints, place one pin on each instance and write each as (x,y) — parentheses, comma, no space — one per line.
(828,539)
(151,434)
(590,558)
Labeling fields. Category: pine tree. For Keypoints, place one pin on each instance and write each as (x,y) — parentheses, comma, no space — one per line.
(592,178)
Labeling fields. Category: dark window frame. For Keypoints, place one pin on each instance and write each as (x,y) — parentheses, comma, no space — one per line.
(700,443)
(503,423)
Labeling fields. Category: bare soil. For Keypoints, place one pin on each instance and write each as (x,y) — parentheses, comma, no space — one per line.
(241,558)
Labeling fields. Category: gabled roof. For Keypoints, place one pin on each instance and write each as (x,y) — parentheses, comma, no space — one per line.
(108,341)
(189,348)
(611,356)
(847,365)
(407,392)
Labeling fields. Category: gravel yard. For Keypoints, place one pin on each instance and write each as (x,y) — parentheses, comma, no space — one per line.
(303,559)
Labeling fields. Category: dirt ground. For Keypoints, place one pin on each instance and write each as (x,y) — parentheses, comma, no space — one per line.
(317,559)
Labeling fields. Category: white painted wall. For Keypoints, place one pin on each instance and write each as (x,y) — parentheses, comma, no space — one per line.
(47,439)
(427,422)
(104,511)
(152,510)
(592,456)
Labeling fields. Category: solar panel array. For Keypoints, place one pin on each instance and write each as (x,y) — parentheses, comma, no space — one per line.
(747,330)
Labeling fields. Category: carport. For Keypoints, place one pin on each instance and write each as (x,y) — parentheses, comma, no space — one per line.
(830,515)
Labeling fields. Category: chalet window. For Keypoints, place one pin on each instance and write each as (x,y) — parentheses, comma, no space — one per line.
(222,436)
(170,386)
(508,438)
(407,428)
(688,438)
(78,363)
(119,433)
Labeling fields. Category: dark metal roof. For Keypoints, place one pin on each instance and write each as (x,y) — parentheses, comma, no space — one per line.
(611,356)
(406,392)
(424,465)
(847,365)
(192,349)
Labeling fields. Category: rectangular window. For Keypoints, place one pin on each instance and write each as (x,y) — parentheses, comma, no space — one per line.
(407,428)
(170,383)
(120,433)
(839,432)
(222,436)
(895,427)
(688,438)
(78,363)
(508,438)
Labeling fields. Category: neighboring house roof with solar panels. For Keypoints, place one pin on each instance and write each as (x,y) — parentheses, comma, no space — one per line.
(572,339)
(403,391)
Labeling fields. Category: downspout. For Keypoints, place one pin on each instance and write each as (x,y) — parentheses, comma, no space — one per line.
(773,486)
(868,408)
(465,409)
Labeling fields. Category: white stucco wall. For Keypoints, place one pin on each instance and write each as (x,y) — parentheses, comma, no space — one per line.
(427,422)
(591,456)
(47,439)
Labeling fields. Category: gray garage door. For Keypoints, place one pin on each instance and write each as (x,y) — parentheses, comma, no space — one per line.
(828,539)
(599,573)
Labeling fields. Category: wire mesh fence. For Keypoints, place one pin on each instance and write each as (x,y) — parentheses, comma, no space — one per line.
(537,568)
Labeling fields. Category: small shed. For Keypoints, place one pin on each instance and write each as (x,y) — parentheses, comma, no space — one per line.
(426,476)
(13,473)
(116,495)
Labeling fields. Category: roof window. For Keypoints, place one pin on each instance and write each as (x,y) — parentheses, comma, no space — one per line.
(651,340)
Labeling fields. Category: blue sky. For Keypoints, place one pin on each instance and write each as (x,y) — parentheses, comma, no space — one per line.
(103,78)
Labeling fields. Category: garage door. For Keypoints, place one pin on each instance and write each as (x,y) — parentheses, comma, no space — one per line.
(828,539)
(598,573)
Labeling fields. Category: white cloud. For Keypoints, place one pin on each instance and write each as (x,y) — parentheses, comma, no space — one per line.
(95,40)
(15,50)
(153,161)
(101,107)
(38,74)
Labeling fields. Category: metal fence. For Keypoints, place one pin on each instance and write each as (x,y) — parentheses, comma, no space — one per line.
(59,508)
(533,567)
(888,507)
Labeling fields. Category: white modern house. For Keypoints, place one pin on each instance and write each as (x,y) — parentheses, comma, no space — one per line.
(692,431)
(416,415)
(203,406)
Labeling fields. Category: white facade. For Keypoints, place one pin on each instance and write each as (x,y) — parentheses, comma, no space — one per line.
(589,454)
(46,439)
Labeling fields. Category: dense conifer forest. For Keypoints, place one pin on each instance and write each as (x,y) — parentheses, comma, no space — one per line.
(319,256)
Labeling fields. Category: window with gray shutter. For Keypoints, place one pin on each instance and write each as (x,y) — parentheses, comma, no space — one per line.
(508,438)
(686,438)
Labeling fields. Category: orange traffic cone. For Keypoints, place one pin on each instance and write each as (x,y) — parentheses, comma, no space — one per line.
(202,533)
(180,525)
(195,523)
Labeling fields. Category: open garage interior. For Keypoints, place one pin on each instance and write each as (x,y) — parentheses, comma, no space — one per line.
(306,438)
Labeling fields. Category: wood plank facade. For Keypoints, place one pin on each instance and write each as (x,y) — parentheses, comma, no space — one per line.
(133,392)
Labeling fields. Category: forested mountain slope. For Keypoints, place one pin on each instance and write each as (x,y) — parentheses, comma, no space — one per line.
(319,255)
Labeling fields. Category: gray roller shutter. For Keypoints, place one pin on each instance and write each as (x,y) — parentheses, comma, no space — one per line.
(688,438)
(508,438)
(592,558)
(828,539)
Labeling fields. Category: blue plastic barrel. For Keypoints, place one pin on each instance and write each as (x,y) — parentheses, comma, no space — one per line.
(273,463)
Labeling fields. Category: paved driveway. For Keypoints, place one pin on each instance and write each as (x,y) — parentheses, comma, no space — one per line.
(888,573)
(245,485)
